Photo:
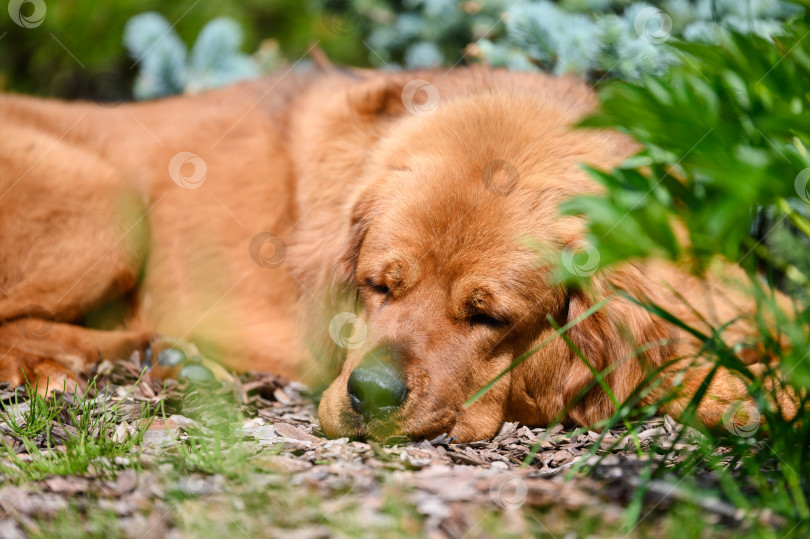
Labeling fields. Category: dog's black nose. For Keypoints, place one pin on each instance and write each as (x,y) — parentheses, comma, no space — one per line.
(376,389)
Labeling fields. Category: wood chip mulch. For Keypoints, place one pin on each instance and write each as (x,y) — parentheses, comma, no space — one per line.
(519,469)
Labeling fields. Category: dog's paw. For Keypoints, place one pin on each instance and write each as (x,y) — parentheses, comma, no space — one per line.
(173,358)
(46,375)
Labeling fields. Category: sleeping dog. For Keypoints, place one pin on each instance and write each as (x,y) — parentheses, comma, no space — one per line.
(388,225)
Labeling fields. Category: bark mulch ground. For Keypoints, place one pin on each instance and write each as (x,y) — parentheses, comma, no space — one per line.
(203,459)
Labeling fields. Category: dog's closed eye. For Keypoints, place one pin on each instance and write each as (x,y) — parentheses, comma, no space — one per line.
(378,288)
(481,319)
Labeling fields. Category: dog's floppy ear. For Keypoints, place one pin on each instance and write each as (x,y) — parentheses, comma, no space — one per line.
(608,339)
(378,96)
(334,139)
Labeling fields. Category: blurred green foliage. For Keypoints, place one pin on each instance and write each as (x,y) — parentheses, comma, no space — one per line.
(77,51)
(587,37)
(595,38)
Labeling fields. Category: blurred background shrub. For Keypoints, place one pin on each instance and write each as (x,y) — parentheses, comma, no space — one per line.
(588,37)
(77,49)
(167,67)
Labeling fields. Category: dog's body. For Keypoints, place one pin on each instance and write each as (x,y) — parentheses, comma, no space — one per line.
(295,188)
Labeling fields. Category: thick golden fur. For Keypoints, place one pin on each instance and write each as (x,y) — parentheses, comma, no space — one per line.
(365,195)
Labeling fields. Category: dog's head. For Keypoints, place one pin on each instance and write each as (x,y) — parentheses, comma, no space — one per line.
(444,248)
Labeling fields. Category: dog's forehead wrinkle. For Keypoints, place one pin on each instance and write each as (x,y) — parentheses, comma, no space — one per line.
(461,233)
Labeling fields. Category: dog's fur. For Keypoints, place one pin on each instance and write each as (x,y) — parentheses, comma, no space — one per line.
(369,199)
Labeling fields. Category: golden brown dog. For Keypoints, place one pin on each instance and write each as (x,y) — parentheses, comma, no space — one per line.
(252,221)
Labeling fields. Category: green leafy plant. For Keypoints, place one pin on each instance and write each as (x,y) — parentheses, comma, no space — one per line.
(724,135)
